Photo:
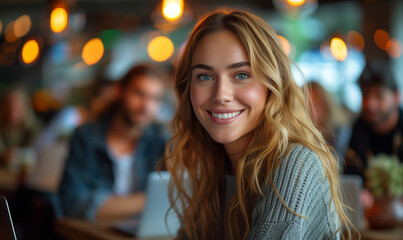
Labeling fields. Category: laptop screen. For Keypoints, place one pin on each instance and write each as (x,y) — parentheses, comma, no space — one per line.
(6,224)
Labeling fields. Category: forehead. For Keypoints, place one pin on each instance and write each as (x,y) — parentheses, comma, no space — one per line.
(219,49)
(146,82)
(377,89)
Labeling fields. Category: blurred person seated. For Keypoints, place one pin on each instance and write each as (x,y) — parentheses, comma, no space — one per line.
(109,159)
(53,142)
(51,148)
(329,117)
(18,126)
(379,128)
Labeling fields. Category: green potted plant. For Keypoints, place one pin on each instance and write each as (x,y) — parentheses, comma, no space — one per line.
(384,179)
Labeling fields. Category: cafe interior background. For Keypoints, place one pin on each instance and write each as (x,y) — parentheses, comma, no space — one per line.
(58,50)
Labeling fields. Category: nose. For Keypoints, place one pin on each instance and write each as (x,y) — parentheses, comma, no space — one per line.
(369,103)
(223,91)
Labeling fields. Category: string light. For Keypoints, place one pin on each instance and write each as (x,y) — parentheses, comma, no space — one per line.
(160,48)
(58,19)
(30,51)
(285,44)
(338,49)
(172,9)
(93,51)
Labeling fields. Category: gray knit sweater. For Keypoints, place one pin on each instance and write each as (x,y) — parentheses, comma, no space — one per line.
(301,182)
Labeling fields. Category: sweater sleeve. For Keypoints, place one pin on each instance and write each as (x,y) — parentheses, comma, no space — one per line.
(303,187)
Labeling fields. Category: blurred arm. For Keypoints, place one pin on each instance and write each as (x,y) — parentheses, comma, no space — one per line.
(122,206)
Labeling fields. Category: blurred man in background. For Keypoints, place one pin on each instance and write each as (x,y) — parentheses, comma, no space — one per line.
(380,126)
(379,129)
(109,159)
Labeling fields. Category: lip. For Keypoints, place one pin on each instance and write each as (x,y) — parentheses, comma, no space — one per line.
(224,121)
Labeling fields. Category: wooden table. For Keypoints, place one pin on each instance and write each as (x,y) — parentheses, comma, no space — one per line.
(74,229)
(8,182)
(393,234)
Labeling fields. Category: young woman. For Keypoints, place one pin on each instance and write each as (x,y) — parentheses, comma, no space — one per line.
(245,158)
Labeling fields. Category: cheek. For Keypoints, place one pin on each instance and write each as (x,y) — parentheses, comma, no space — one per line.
(254,96)
(197,97)
(387,103)
(132,101)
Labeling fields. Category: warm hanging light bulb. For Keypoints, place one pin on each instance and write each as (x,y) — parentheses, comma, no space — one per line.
(58,19)
(160,48)
(93,51)
(338,49)
(22,25)
(296,7)
(296,3)
(285,44)
(30,51)
(172,9)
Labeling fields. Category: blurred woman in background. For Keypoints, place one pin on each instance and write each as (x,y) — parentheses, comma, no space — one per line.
(18,126)
(246,160)
(333,121)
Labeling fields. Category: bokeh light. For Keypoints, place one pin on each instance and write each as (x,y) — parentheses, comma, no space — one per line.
(381,38)
(394,48)
(285,44)
(172,9)
(296,3)
(22,26)
(160,48)
(93,51)
(9,32)
(30,51)
(355,40)
(338,49)
(58,19)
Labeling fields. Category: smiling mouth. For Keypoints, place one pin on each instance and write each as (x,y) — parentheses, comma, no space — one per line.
(226,115)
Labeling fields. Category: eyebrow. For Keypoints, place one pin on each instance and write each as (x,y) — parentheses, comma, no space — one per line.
(210,68)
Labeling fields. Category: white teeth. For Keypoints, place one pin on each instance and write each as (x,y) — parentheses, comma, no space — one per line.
(225,115)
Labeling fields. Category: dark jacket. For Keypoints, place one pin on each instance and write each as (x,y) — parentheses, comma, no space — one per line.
(88,178)
(365,142)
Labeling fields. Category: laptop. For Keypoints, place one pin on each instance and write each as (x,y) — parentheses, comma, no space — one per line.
(154,221)
(351,188)
(6,224)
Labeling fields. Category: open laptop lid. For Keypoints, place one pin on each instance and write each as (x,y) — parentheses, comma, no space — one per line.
(351,188)
(6,224)
(154,222)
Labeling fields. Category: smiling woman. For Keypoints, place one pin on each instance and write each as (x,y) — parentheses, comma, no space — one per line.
(245,158)
(225,96)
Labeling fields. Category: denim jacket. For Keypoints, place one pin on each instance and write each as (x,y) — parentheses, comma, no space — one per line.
(88,177)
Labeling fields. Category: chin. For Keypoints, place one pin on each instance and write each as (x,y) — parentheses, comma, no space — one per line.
(223,138)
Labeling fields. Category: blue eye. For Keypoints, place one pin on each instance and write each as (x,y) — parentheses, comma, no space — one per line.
(204,77)
(241,76)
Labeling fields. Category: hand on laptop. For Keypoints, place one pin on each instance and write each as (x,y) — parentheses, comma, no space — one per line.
(116,207)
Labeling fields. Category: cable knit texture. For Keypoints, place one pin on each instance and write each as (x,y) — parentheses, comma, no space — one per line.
(302,184)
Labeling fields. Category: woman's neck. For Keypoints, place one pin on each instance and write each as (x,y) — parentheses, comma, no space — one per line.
(235,150)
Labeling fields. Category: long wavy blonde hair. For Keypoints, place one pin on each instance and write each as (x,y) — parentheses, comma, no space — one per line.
(198,164)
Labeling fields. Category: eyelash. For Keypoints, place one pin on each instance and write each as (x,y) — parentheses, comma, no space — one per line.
(235,76)
(202,75)
(242,73)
